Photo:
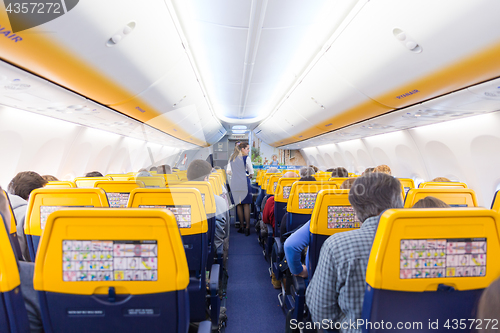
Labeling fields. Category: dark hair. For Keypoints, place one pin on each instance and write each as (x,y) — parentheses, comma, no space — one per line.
(94,174)
(315,168)
(368,170)
(430,202)
(50,178)
(307,179)
(370,195)
(198,170)
(347,184)
(164,169)
(153,168)
(25,182)
(306,172)
(489,303)
(340,172)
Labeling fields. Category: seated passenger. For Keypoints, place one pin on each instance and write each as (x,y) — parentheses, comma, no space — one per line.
(340,172)
(315,168)
(299,241)
(367,171)
(336,290)
(488,308)
(94,174)
(383,169)
(153,168)
(26,270)
(440,179)
(306,174)
(430,202)
(199,170)
(143,173)
(165,169)
(20,188)
(50,178)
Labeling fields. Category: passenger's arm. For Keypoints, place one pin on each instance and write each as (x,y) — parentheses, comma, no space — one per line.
(321,294)
(249,167)
(294,246)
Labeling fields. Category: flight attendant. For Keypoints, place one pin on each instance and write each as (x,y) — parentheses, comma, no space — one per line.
(241,170)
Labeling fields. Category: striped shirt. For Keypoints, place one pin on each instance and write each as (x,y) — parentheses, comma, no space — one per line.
(337,289)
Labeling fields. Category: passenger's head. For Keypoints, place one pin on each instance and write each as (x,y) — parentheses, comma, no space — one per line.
(289,174)
(430,202)
(4,209)
(164,169)
(50,178)
(25,182)
(306,172)
(275,157)
(383,169)
(307,179)
(367,171)
(272,170)
(489,303)
(340,172)
(94,174)
(315,168)
(198,170)
(143,173)
(153,168)
(440,179)
(347,184)
(370,195)
(217,167)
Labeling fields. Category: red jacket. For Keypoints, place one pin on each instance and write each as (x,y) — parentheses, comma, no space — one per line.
(268,214)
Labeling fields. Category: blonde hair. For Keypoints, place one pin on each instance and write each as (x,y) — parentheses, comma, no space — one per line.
(383,169)
(237,150)
(440,179)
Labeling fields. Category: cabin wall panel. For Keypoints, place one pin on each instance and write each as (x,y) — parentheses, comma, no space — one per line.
(46,145)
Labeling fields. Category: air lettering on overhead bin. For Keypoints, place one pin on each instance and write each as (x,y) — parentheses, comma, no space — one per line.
(408,94)
(10,35)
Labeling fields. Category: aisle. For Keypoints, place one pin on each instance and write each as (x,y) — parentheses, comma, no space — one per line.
(252,302)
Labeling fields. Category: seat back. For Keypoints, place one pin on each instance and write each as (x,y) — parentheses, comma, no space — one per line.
(151,182)
(338,180)
(88,182)
(442,185)
(187,206)
(455,197)
(430,264)
(265,180)
(332,213)
(272,183)
(13,315)
(13,229)
(119,177)
(322,176)
(281,195)
(44,201)
(407,184)
(171,178)
(60,184)
(495,204)
(118,192)
(216,188)
(107,270)
(260,176)
(301,201)
(223,174)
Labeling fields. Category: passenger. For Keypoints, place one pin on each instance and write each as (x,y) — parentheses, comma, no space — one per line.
(440,179)
(143,173)
(164,169)
(489,304)
(383,169)
(430,202)
(336,290)
(199,170)
(340,172)
(153,168)
(240,167)
(94,174)
(26,270)
(20,188)
(315,168)
(367,171)
(306,174)
(299,241)
(50,178)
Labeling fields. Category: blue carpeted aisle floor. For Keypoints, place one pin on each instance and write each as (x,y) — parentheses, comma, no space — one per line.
(252,302)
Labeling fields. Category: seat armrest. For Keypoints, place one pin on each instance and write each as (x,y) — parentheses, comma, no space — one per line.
(214,279)
(205,327)
(299,285)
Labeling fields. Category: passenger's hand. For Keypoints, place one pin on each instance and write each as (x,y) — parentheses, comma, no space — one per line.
(304,272)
